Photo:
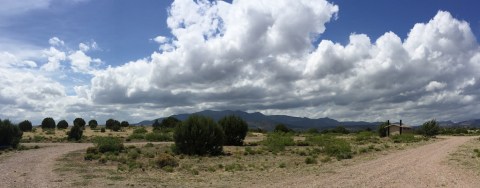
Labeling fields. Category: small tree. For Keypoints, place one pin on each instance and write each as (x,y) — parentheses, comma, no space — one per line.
(116,126)
(124,124)
(109,123)
(430,128)
(25,126)
(382,129)
(80,122)
(48,123)
(62,124)
(92,124)
(169,122)
(199,135)
(156,125)
(235,129)
(75,133)
(10,134)
(282,128)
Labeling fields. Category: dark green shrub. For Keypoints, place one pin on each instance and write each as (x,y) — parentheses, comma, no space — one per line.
(102,130)
(199,135)
(108,144)
(48,123)
(165,159)
(169,122)
(235,129)
(158,137)
(109,123)
(75,133)
(116,126)
(25,126)
(124,124)
(80,122)
(92,124)
(277,141)
(382,129)
(430,128)
(10,134)
(156,125)
(62,124)
(282,128)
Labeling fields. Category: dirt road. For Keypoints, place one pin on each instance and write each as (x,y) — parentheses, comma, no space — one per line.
(34,168)
(424,166)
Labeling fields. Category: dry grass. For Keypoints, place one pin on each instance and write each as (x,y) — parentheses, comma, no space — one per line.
(241,167)
(467,156)
(60,135)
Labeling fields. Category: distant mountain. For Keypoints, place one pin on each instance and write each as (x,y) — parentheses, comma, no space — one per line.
(268,122)
(469,123)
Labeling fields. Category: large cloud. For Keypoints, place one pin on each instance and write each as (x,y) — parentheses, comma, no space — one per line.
(259,56)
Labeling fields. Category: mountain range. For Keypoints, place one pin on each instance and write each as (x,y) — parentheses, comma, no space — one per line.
(268,122)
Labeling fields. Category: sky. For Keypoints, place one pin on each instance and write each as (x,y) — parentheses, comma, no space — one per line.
(139,60)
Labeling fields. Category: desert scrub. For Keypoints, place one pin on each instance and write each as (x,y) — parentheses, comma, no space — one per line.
(277,141)
(199,135)
(332,146)
(108,144)
(310,160)
(404,138)
(164,159)
(158,137)
(366,137)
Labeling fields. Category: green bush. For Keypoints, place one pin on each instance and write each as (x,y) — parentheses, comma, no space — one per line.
(140,130)
(124,124)
(62,124)
(102,130)
(169,122)
(404,138)
(310,160)
(10,134)
(156,125)
(25,126)
(109,123)
(235,129)
(116,126)
(48,123)
(366,136)
(430,128)
(136,136)
(332,146)
(92,124)
(158,137)
(75,133)
(165,159)
(382,129)
(282,128)
(80,122)
(108,144)
(199,135)
(277,141)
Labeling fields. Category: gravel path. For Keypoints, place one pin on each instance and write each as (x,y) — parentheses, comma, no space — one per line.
(424,166)
(34,168)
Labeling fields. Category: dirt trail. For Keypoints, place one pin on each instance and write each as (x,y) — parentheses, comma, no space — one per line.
(424,166)
(34,168)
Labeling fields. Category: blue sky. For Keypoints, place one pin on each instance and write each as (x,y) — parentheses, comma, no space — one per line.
(349,60)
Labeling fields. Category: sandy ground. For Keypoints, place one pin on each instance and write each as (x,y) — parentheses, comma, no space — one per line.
(34,168)
(425,166)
